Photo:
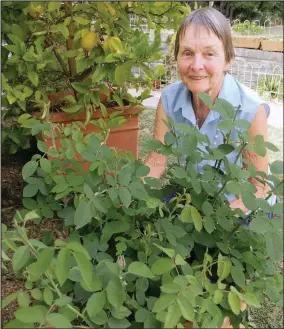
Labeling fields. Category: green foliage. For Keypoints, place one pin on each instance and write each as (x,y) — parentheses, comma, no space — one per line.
(43,52)
(271,86)
(148,255)
(248,28)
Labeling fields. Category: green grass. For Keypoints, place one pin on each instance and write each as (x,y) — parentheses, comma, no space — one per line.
(269,315)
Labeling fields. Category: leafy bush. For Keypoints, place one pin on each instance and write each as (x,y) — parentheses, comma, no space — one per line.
(271,85)
(247,28)
(146,255)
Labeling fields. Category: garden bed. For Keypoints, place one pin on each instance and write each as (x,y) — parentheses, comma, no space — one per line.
(274,45)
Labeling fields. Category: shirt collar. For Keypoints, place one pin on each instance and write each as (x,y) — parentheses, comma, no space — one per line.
(229,91)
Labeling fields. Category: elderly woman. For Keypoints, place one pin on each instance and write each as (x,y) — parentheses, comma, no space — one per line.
(204,51)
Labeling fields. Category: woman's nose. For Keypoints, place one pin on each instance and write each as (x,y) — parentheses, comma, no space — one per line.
(197,62)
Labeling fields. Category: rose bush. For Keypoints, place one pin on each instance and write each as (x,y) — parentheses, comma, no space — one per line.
(147,255)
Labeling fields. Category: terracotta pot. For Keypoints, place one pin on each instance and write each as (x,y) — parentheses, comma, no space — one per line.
(242,42)
(123,138)
(272,45)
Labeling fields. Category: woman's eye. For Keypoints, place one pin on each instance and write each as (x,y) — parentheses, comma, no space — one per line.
(187,53)
(209,54)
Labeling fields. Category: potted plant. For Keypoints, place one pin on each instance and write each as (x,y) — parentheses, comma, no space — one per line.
(157,255)
(74,61)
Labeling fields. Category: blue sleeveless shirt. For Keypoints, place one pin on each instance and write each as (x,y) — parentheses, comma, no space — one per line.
(176,101)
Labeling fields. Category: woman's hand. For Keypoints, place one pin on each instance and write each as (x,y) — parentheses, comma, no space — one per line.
(157,164)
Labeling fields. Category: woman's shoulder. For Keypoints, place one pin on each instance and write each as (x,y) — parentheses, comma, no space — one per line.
(239,94)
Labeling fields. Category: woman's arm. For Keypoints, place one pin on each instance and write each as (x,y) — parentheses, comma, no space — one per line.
(157,162)
(258,127)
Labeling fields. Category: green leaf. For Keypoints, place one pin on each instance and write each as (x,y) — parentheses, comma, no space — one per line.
(207,208)
(124,196)
(63,264)
(20,258)
(274,245)
(44,260)
(173,316)
(115,293)
(31,314)
(179,260)
(249,200)
(179,172)
(100,318)
(225,108)
(58,321)
(167,251)
(72,108)
(277,167)
(162,266)
(185,215)
(30,190)
(96,303)
(242,124)
(29,169)
(238,276)
(117,323)
(85,267)
(53,5)
(205,99)
(63,301)
(123,72)
(271,147)
(250,299)
(99,74)
(81,20)
(124,176)
(153,202)
(259,145)
(186,308)
(234,302)
(83,214)
(170,288)
(45,165)
(47,296)
(218,296)
(163,302)
(33,77)
(197,219)
(260,224)
(140,269)
(234,187)
(7,300)
(209,224)
(142,171)
(141,315)
(23,299)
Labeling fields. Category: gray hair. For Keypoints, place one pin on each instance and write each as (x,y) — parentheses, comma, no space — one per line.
(213,21)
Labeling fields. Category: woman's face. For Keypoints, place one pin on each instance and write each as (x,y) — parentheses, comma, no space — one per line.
(201,61)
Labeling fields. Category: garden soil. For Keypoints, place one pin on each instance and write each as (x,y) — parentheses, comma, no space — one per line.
(11,200)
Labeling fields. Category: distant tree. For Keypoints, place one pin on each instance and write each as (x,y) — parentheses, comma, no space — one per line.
(250,10)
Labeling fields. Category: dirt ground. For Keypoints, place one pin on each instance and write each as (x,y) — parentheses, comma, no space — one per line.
(11,200)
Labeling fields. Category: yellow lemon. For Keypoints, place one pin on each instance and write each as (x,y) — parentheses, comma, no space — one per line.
(35,10)
(112,43)
(89,40)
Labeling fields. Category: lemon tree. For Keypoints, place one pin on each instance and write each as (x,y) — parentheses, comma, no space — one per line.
(88,47)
